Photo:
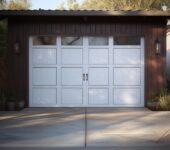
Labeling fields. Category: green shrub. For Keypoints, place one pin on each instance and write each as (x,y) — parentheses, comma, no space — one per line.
(6,96)
(154,97)
(164,100)
(3,99)
(168,86)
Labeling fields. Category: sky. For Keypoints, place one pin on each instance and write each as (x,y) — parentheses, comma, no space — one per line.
(47,4)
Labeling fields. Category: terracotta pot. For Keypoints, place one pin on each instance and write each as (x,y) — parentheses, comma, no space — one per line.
(153,106)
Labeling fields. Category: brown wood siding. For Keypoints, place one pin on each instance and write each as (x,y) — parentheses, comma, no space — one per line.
(21,29)
(3,72)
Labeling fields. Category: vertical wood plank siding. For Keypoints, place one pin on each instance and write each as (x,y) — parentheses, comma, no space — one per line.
(150,29)
(3,72)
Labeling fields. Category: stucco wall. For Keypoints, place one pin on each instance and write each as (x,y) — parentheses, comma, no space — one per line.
(168,55)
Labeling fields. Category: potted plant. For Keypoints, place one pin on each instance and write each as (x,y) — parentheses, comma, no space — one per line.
(11,100)
(21,104)
(153,102)
(153,105)
(2,99)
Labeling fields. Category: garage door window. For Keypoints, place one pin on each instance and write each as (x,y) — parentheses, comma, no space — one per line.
(96,41)
(69,40)
(127,41)
(44,40)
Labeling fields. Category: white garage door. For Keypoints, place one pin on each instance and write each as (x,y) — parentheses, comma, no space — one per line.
(86,71)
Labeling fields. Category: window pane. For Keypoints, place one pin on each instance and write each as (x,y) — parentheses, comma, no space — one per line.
(44,40)
(98,41)
(69,40)
(127,41)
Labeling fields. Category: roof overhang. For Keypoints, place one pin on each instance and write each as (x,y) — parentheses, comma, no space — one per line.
(136,13)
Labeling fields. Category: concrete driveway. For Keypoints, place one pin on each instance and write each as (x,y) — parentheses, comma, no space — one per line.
(77,128)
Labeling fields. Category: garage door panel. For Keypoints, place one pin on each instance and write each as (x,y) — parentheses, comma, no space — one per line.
(127,96)
(98,56)
(72,76)
(72,96)
(127,76)
(72,56)
(44,76)
(44,96)
(98,76)
(98,96)
(126,56)
(86,71)
(44,56)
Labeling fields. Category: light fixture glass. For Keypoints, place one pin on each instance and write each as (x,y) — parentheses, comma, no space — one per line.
(157,47)
(16,48)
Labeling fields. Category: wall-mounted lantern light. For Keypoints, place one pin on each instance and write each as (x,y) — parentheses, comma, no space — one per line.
(17,48)
(157,47)
(164,7)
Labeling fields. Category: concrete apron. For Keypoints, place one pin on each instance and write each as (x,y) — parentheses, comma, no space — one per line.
(53,127)
(65,127)
(127,127)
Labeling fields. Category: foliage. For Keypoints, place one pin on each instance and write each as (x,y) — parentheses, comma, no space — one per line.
(114,4)
(164,100)
(168,86)
(19,4)
(3,99)
(6,96)
(72,4)
(11,95)
(161,101)
(2,4)
(154,97)
(15,4)
(61,6)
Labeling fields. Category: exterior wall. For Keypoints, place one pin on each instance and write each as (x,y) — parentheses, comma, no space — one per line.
(150,28)
(168,55)
(3,73)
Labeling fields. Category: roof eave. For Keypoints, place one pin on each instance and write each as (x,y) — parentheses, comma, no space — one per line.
(137,13)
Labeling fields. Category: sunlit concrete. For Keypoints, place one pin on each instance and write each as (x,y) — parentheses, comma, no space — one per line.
(128,127)
(121,128)
(45,127)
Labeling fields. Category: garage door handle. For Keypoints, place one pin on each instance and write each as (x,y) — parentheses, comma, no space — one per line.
(87,77)
(83,76)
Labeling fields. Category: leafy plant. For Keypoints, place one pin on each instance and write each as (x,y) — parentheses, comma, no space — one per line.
(7,95)
(168,86)
(3,99)
(154,97)
(114,4)
(11,96)
(164,100)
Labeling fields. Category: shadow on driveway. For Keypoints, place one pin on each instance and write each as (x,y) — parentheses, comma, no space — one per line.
(64,128)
